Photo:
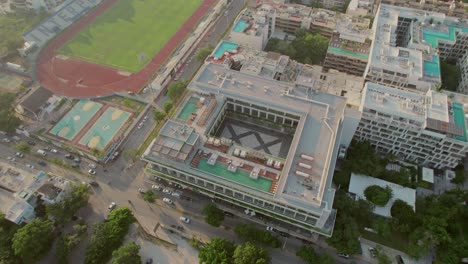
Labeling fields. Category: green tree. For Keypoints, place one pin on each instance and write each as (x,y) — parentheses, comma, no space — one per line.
(149,196)
(378,195)
(382,227)
(76,198)
(403,216)
(168,106)
(7,231)
(213,215)
(203,53)
(251,233)
(307,254)
(8,121)
(176,89)
(248,253)
(310,48)
(218,251)
(108,236)
(33,240)
(460,177)
(23,147)
(65,244)
(450,74)
(159,115)
(382,258)
(131,155)
(127,254)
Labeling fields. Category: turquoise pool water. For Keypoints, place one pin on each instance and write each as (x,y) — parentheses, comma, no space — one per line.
(105,128)
(189,108)
(71,123)
(348,53)
(240,26)
(223,47)
(459,116)
(432,37)
(240,176)
(432,68)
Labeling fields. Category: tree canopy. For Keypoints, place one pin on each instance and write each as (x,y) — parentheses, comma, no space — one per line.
(249,253)
(159,115)
(8,120)
(378,195)
(7,231)
(450,74)
(127,254)
(176,89)
(76,198)
(306,48)
(168,106)
(309,256)
(203,53)
(23,147)
(218,251)
(250,233)
(31,241)
(108,236)
(213,215)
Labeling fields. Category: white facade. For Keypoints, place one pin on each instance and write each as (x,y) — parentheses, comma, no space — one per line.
(426,128)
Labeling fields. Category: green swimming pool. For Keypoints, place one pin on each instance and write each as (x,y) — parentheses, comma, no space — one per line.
(432,68)
(189,108)
(105,128)
(432,37)
(459,116)
(240,176)
(72,123)
(348,53)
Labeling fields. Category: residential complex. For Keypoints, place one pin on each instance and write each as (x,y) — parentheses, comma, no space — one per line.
(463,85)
(449,8)
(408,45)
(255,142)
(429,128)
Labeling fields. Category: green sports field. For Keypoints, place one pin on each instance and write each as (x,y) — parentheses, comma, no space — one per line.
(130,33)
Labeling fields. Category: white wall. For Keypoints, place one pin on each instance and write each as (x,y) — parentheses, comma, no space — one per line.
(350,124)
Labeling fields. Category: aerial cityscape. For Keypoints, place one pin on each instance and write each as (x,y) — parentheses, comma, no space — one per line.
(233,131)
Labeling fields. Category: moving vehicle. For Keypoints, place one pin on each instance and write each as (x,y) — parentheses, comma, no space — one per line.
(69,156)
(111,206)
(184,219)
(19,154)
(54,151)
(373,252)
(343,255)
(167,200)
(270,228)
(92,172)
(30,166)
(42,152)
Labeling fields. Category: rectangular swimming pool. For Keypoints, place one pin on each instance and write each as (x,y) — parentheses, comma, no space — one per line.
(105,128)
(432,68)
(459,116)
(240,176)
(348,53)
(240,26)
(189,108)
(223,47)
(72,123)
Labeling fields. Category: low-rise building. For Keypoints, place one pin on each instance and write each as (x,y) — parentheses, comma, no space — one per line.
(449,8)
(429,129)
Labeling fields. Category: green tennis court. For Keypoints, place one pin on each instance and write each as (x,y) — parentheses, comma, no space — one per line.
(129,34)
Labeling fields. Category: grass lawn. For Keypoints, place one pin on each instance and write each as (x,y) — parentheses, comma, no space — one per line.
(129,34)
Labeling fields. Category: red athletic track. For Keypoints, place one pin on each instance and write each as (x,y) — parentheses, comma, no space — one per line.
(79,79)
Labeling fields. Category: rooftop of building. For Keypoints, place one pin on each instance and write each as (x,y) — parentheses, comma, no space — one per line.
(435,111)
(419,59)
(313,142)
(359,183)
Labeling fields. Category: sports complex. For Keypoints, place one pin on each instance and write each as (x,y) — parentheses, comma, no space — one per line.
(117,46)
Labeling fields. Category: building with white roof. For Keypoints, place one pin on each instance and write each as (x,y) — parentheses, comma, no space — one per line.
(255,142)
(449,8)
(429,129)
(359,183)
(408,44)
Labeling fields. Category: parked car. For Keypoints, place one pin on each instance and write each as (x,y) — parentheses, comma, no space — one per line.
(167,200)
(19,154)
(6,140)
(141,190)
(30,166)
(156,178)
(54,151)
(42,163)
(92,166)
(399,259)
(77,159)
(156,187)
(270,228)
(176,194)
(149,261)
(69,156)
(228,214)
(343,255)
(11,159)
(184,219)
(284,234)
(41,152)
(111,206)
(166,191)
(92,172)
(373,252)
(31,143)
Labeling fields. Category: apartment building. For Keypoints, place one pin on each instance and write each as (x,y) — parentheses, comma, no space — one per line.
(449,8)
(349,46)
(256,143)
(463,85)
(361,7)
(251,29)
(427,128)
(408,44)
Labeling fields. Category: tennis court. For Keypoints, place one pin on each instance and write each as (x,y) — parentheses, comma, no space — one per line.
(105,128)
(9,83)
(72,123)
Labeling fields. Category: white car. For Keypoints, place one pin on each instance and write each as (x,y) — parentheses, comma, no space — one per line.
(6,140)
(176,194)
(111,206)
(156,187)
(30,166)
(270,228)
(54,151)
(167,191)
(11,159)
(92,166)
(167,200)
(19,154)
(92,172)
(184,219)
(141,190)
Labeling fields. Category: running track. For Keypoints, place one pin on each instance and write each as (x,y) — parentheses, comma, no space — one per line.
(80,79)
